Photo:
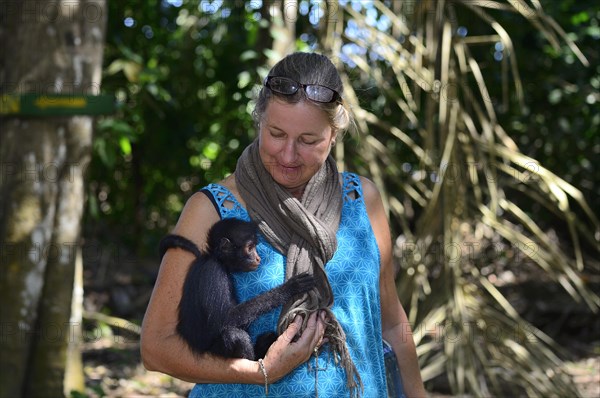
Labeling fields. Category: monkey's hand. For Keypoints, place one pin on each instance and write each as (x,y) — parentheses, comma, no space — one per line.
(300,283)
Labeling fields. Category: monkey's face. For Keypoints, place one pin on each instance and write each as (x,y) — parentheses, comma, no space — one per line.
(232,242)
(249,258)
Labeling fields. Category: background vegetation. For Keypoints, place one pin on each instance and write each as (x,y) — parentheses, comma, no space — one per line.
(184,73)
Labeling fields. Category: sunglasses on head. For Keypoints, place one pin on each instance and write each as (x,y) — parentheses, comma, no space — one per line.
(314,92)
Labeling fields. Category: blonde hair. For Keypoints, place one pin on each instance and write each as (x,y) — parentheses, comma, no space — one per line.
(308,68)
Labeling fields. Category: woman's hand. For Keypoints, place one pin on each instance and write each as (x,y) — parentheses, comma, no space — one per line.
(285,355)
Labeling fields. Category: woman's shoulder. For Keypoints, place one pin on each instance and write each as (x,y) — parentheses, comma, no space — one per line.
(197,216)
(200,213)
(370,192)
(229,184)
(353,181)
(368,185)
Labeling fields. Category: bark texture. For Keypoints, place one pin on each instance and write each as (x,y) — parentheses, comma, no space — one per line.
(49,47)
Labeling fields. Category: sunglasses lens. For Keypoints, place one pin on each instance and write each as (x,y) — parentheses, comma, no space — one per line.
(282,85)
(314,92)
(319,93)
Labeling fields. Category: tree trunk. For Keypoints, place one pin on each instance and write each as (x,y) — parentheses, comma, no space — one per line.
(50,47)
(283,15)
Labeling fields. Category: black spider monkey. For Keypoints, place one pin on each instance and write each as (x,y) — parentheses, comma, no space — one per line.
(210,318)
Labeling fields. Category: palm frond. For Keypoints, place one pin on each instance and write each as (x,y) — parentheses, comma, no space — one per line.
(429,134)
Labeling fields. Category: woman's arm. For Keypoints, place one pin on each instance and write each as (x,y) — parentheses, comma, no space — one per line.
(164,351)
(396,329)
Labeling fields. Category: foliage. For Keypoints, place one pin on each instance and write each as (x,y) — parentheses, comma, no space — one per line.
(182,77)
(560,122)
(428,81)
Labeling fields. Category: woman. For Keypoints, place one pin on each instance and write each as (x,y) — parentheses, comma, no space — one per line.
(311,218)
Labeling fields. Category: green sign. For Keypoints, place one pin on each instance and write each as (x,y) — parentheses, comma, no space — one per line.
(56,105)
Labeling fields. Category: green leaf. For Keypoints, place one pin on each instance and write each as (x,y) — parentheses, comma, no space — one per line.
(211,151)
(125,145)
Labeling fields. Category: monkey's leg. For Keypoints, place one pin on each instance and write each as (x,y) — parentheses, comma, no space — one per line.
(263,343)
(237,343)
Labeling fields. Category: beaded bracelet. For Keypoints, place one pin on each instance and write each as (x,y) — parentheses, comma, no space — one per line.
(264,372)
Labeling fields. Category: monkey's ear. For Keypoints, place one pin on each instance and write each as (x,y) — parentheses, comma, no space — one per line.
(225,245)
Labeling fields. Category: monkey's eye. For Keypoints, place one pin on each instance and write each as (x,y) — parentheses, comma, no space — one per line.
(250,248)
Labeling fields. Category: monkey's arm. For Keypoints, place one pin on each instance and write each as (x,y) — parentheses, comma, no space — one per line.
(244,313)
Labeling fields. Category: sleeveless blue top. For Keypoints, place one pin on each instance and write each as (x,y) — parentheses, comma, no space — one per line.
(353,273)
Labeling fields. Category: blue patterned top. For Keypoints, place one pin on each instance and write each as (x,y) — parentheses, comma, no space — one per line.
(353,273)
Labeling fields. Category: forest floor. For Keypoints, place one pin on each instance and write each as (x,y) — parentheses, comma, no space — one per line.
(113,368)
(116,371)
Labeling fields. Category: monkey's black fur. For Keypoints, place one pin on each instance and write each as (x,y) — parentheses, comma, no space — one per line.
(210,318)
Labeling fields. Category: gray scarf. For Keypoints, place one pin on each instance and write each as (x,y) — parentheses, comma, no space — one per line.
(304,230)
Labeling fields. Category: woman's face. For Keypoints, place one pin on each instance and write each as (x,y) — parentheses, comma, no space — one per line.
(294,142)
